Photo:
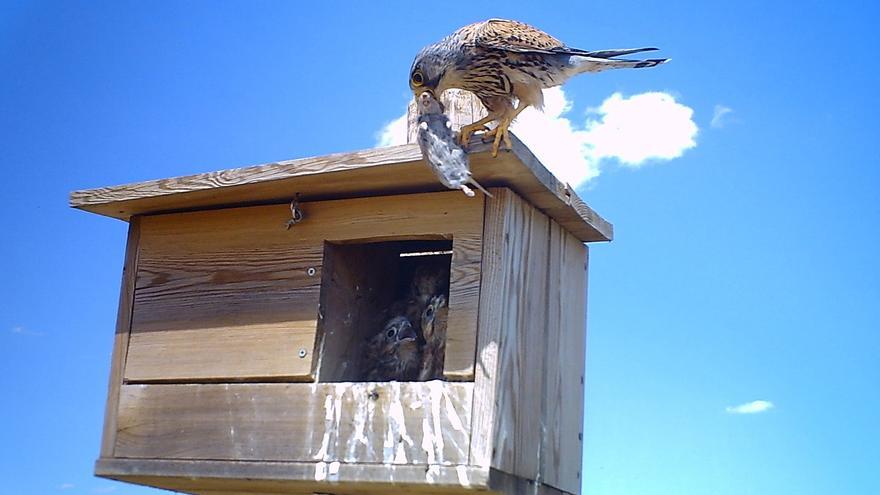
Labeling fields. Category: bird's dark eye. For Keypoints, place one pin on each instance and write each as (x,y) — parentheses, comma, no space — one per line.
(417,78)
(391,332)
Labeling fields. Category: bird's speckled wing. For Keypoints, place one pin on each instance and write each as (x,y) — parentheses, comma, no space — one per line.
(500,34)
(514,36)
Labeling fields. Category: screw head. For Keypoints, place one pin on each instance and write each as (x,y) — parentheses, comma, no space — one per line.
(303,353)
(311,271)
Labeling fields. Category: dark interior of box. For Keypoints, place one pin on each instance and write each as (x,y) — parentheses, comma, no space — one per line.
(360,282)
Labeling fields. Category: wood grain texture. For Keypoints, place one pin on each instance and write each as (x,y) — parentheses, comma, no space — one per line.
(232,295)
(521,344)
(530,352)
(227,477)
(374,172)
(238,478)
(496,267)
(563,391)
(462,107)
(121,337)
(424,423)
(523,385)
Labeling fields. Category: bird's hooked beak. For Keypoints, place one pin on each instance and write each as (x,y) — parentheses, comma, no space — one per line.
(406,333)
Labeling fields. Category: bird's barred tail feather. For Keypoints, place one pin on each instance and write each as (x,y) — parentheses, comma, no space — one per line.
(601,60)
(616,53)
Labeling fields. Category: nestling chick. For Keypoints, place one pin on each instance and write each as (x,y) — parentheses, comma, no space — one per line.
(440,149)
(434,319)
(429,280)
(393,353)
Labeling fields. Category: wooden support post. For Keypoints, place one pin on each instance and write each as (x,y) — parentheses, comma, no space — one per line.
(462,108)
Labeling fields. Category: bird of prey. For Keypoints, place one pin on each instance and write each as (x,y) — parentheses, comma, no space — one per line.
(439,148)
(434,332)
(501,61)
(394,353)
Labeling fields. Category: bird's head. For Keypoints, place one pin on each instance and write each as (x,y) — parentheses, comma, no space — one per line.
(399,330)
(429,70)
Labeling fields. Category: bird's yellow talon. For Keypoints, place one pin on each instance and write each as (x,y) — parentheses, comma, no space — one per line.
(501,134)
(467,131)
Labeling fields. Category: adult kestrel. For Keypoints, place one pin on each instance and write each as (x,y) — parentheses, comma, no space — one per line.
(501,61)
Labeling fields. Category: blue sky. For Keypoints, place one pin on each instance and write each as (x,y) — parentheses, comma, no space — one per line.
(743,270)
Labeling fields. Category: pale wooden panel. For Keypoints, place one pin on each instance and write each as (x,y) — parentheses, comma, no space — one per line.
(388,422)
(252,352)
(494,283)
(572,354)
(239,478)
(563,375)
(523,384)
(464,299)
(121,337)
(517,420)
(553,390)
(527,391)
(232,294)
(373,172)
(227,477)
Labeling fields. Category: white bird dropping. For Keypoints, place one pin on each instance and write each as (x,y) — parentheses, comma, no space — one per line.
(440,149)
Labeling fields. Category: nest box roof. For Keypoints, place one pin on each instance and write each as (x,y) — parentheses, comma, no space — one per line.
(373,172)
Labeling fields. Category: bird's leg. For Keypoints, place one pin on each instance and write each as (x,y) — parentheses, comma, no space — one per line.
(501,132)
(469,129)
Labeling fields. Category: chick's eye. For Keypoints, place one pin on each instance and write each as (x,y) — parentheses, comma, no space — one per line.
(417,78)
(391,332)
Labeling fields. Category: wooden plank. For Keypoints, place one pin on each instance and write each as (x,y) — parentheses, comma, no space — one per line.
(464,297)
(529,331)
(574,327)
(224,294)
(508,484)
(121,337)
(553,392)
(517,419)
(563,385)
(231,294)
(228,477)
(396,423)
(374,172)
(526,382)
(502,217)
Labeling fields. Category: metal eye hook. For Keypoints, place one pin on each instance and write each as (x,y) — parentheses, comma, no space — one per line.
(296,213)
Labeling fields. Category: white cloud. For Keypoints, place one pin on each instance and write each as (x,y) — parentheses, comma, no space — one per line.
(555,140)
(754,407)
(393,133)
(718,116)
(643,127)
(66,486)
(632,131)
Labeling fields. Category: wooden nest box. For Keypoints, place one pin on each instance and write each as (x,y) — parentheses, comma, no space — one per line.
(239,348)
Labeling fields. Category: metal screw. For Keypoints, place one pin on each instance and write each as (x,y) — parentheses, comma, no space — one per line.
(311,271)
(303,353)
